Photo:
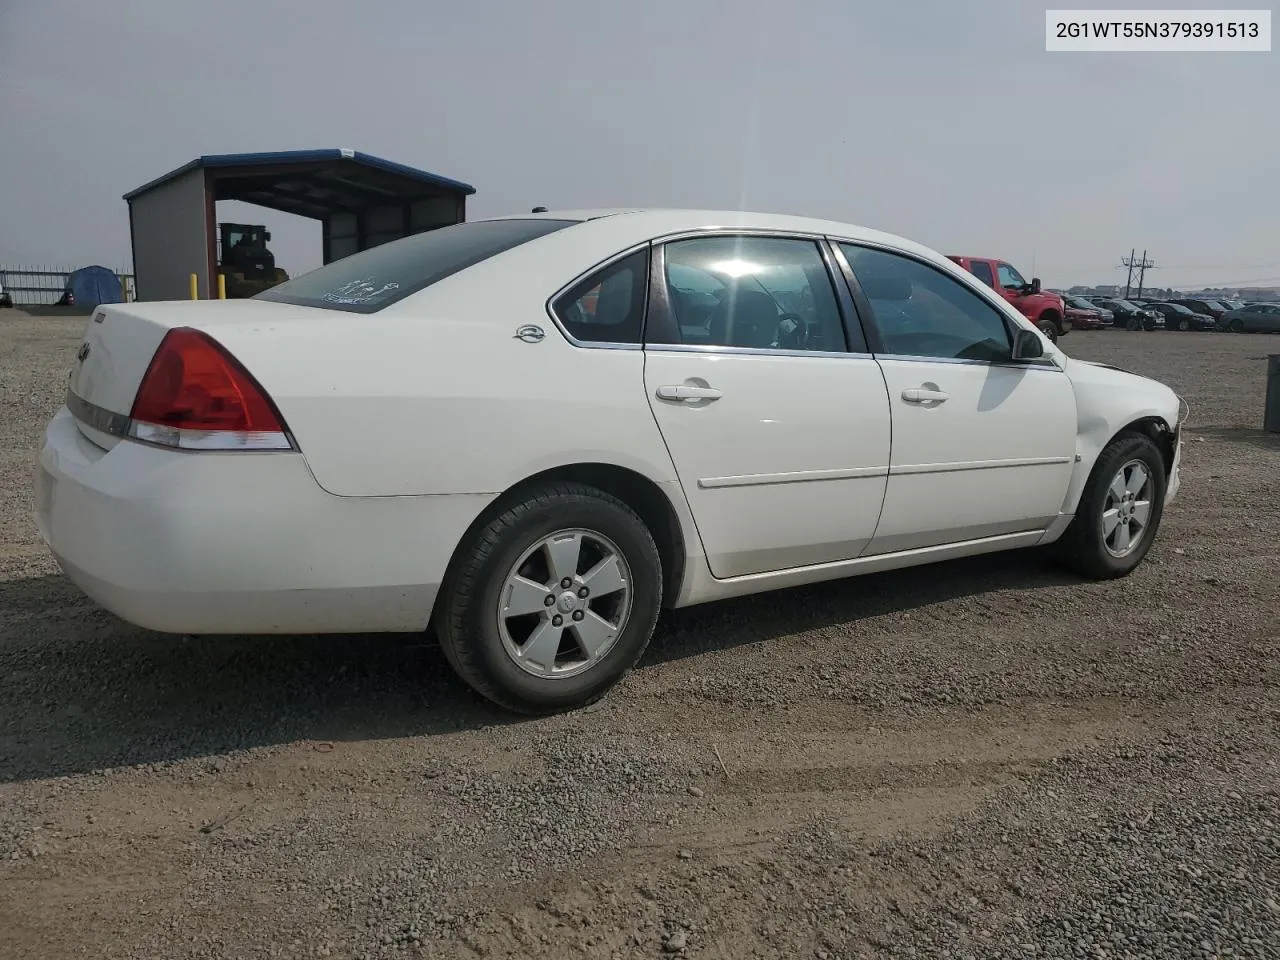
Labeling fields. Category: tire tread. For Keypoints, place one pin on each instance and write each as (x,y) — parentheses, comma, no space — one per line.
(464,582)
(1076,549)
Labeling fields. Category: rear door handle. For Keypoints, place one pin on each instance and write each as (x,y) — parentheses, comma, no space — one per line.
(685,392)
(925,395)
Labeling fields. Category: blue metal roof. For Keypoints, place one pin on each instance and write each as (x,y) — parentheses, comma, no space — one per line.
(334,155)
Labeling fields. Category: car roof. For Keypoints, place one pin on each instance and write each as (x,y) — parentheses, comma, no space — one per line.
(658,221)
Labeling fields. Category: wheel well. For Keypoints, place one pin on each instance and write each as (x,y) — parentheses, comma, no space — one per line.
(634,489)
(1051,315)
(1158,431)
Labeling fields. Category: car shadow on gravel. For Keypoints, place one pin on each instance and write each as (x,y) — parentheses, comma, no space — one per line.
(730,623)
(1261,439)
(81,690)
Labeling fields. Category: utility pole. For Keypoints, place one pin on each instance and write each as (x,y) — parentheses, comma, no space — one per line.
(1143,266)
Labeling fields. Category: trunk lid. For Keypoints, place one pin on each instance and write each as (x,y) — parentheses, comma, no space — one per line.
(120,340)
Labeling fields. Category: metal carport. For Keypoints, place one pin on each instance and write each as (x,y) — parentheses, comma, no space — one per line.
(360,201)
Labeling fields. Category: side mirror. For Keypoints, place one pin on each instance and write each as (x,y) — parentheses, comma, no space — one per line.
(1027,345)
(1035,284)
(266,235)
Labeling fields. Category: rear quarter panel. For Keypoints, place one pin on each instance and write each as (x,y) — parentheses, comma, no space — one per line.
(436,395)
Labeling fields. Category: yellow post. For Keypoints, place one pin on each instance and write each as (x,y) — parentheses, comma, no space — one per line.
(222,286)
(195,289)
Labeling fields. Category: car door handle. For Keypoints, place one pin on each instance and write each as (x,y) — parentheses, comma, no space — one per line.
(685,392)
(925,395)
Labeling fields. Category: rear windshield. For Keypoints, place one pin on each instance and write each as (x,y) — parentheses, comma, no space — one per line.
(372,279)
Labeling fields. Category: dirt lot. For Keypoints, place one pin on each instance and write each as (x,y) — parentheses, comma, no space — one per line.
(984,759)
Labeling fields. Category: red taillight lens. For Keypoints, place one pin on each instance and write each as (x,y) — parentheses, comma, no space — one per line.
(195,395)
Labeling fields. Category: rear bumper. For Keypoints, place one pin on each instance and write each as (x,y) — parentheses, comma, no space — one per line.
(200,543)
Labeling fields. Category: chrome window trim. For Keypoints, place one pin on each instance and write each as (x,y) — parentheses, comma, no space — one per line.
(863,315)
(1038,363)
(659,300)
(717,350)
(655,244)
(968,281)
(604,264)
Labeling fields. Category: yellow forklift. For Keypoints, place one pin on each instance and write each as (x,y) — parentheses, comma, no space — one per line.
(245,261)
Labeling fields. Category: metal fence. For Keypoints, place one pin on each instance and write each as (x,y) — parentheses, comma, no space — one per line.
(31,286)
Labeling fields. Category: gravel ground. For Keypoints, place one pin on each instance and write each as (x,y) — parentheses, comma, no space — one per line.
(984,759)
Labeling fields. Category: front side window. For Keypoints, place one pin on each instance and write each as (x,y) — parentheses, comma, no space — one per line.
(373,279)
(766,293)
(1010,277)
(609,305)
(922,312)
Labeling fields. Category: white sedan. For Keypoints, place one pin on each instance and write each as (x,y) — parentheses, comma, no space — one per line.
(531,434)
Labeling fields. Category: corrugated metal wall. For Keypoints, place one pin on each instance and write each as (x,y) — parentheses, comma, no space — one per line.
(171,239)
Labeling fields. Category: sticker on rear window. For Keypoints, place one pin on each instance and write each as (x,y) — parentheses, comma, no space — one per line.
(360,291)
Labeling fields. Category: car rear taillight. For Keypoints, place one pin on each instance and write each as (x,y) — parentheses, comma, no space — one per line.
(196,396)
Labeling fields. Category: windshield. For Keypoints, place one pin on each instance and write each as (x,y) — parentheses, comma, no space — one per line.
(372,279)
(1080,303)
(1216,305)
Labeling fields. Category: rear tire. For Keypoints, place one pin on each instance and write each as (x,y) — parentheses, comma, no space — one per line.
(1184,324)
(1113,530)
(520,561)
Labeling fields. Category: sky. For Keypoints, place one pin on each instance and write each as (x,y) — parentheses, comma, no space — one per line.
(944,122)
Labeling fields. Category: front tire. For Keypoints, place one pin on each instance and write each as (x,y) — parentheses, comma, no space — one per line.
(1236,326)
(1119,511)
(551,602)
(1049,327)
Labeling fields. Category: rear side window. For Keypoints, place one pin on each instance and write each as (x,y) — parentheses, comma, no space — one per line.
(373,279)
(982,270)
(608,306)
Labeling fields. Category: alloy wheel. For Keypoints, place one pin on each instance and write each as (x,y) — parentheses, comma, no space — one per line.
(1126,512)
(564,603)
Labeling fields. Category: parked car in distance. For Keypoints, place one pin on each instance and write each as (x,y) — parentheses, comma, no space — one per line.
(1178,317)
(1044,309)
(1209,308)
(659,408)
(1083,315)
(1252,318)
(1130,316)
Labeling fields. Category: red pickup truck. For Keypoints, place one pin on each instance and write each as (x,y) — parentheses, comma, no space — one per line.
(1045,310)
